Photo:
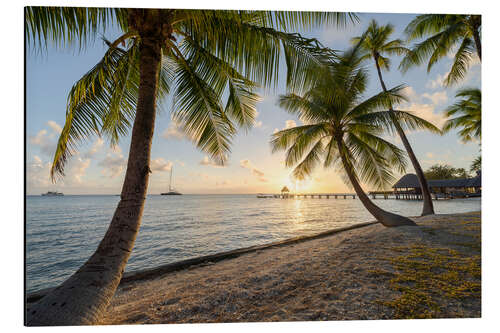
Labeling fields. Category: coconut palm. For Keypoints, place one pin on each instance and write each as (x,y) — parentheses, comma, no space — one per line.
(376,45)
(198,57)
(467,112)
(444,33)
(342,130)
(476,165)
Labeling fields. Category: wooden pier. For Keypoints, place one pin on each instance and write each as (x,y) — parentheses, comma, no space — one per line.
(307,196)
(395,195)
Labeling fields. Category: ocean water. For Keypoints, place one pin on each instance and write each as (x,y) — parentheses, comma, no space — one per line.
(62,232)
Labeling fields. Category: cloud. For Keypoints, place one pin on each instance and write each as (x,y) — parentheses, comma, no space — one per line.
(38,173)
(75,171)
(256,172)
(46,141)
(96,147)
(419,107)
(290,124)
(410,93)
(113,165)
(208,162)
(438,97)
(222,183)
(43,141)
(173,131)
(161,165)
(438,82)
(54,126)
(426,111)
(203,176)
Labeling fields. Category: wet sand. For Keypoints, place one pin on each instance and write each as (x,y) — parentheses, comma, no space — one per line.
(373,272)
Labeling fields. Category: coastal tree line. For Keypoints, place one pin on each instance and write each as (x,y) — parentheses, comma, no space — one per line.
(212,62)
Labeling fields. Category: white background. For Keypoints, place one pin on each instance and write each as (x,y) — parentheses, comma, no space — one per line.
(12,162)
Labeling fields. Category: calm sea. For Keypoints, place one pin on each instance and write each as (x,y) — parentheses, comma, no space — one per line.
(62,232)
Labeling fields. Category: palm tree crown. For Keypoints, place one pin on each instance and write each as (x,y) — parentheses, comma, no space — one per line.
(376,44)
(338,123)
(210,61)
(467,112)
(444,33)
(205,54)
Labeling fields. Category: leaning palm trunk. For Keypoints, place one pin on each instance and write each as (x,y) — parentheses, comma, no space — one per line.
(477,40)
(84,297)
(386,218)
(428,208)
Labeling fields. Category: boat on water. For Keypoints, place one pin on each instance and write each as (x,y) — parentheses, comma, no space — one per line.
(171,190)
(52,194)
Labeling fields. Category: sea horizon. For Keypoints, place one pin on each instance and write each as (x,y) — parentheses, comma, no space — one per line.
(60,236)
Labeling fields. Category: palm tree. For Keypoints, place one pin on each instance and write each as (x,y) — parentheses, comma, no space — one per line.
(468,115)
(343,130)
(198,56)
(444,33)
(375,44)
(476,165)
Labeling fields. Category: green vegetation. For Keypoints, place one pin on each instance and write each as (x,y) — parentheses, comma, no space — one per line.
(476,164)
(344,131)
(467,112)
(428,276)
(210,61)
(376,44)
(444,33)
(445,171)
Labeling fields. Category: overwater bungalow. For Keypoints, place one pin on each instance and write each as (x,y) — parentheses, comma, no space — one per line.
(408,187)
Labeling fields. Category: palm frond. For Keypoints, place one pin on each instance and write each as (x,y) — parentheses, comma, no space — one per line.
(312,159)
(468,109)
(461,62)
(303,142)
(387,119)
(198,109)
(103,101)
(68,25)
(370,164)
(220,75)
(382,100)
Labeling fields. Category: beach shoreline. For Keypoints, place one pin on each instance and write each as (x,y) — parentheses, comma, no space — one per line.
(343,274)
(154,272)
(362,273)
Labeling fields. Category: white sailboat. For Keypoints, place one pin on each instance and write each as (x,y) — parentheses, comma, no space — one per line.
(171,190)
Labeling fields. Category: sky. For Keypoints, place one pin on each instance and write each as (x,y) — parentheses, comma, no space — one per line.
(98,168)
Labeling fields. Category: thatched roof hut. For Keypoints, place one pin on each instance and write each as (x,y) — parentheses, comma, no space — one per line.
(285,190)
(411,181)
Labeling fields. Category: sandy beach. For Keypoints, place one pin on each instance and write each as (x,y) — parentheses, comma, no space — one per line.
(373,272)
